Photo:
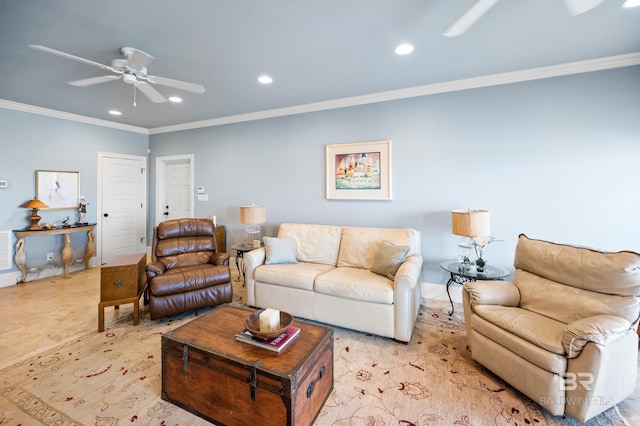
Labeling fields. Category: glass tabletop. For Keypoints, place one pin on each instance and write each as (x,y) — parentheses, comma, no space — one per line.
(243,247)
(491,272)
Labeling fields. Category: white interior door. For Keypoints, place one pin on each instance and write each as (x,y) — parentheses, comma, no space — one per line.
(122,183)
(175,187)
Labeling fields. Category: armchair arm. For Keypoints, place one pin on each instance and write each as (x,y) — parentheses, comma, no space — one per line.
(600,329)
(501,293)
(154,269)
(220,259)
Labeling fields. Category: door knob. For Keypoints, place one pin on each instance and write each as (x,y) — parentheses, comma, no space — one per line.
(106,215)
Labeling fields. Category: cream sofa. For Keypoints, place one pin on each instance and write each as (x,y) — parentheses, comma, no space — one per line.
(332,281)
(564,332)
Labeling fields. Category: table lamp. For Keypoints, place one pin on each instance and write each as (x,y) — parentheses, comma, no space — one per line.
(34,205)
(475,225)
(252,217)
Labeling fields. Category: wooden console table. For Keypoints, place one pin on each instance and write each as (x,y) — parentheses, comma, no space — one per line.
(67,252)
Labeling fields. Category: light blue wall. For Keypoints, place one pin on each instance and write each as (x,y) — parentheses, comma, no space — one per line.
(33,142)
(556,159)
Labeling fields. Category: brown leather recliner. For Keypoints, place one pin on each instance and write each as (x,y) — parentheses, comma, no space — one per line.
(185,272)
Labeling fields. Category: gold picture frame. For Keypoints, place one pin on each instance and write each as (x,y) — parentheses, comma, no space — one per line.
(58,189)
(358,171)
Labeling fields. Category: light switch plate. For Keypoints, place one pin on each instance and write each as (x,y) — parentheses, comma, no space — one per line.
(4,183)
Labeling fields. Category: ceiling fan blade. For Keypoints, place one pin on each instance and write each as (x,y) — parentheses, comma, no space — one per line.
(136,59)
(73,57)
(576,7)
(150,92)
(470,17)
(177,84)
(94,80)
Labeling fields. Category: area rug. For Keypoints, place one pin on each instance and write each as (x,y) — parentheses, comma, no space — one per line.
(113,378)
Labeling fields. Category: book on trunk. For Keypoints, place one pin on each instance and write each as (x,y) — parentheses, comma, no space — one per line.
(275,344)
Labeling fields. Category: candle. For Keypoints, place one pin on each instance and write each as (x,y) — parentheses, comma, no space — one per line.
(269,320)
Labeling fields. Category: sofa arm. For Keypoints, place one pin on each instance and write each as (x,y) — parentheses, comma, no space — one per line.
(501,293)
(408,274)
(252,260)
(406,297)
(154,269)
(220,259)
(600,329)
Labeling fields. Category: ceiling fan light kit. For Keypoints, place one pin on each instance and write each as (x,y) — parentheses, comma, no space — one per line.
(132,69)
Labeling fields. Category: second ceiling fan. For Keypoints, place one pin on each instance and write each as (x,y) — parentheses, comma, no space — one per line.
(480,7)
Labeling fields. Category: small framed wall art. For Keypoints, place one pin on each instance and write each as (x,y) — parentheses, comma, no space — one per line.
(358,171)
(58,190)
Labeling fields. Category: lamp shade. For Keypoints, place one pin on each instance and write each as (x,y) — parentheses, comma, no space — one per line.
(470,223)
(34,204)
(253,215)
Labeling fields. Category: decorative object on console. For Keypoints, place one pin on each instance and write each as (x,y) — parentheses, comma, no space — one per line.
(253,216)
(82,208)
(475,225)
(34,205)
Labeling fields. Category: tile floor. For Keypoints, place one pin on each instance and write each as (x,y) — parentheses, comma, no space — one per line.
(41,314)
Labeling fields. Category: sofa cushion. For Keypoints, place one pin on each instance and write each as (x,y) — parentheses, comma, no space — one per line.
(537,329)
(297,275)
(314,243)
(359,245)
(388,259)
(550,298)
(355,283)
(279,250)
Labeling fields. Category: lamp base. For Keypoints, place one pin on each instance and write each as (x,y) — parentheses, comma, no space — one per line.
(34,218)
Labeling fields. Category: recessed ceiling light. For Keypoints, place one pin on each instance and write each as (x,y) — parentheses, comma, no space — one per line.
(175,99)
(114,112)
(404,49)
(265,79)
(631,3)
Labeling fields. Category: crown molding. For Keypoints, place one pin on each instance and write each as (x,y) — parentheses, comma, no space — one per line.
(570,68)
(17,106)
(589,65)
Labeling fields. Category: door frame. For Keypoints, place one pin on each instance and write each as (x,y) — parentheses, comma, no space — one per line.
(99,176)
(161,182)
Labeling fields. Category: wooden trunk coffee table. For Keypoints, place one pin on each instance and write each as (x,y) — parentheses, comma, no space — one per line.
(207,372)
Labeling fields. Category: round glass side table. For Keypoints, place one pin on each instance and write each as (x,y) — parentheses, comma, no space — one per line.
(460,275)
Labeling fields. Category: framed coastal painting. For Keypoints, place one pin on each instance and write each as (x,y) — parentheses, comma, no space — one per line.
(358,171)
(58,190)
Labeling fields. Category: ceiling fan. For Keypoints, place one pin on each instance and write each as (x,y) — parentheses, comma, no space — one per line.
(132,69)
(480,7)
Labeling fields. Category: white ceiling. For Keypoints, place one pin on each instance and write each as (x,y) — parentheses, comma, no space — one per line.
(319,52)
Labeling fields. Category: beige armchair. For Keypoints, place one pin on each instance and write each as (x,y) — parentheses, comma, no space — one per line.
(564,332)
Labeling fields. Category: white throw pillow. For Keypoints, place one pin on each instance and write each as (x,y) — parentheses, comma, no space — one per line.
(279,250)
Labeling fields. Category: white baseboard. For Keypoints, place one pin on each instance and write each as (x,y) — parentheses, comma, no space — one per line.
(438,291)
(11,278)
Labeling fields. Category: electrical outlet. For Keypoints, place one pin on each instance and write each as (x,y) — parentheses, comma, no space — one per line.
(49,257)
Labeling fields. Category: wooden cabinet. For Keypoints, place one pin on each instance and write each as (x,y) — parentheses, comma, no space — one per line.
(221,239)
(122,280)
